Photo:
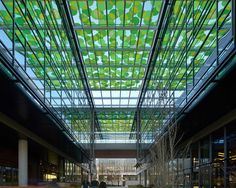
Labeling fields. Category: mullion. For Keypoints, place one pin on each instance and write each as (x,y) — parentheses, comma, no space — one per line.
(112,49)
(173,73)
(26,42)
(34,15)
(34,33)
(166,51)
(170,41)
(83,37)
(22,43)
(63,59)
(137,43)
(146,37)
(198,51)
(71,70)
(122,51)
(53,84)
(107,36)
(133,4)
(89,15)
(162,58)
(25,27)
(60,78)
(115,53)
(86,43)
(99,34)
(95,66)
(199,25)
(66,92)
(146,32)
(108,45)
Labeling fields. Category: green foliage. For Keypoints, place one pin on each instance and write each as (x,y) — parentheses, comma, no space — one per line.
(115,51)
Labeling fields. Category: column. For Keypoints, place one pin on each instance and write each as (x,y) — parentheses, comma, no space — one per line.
(92,138)
(138,135)
(145,178)
(82,175)
(233,5)
(22,162)
(140,178)
(61,165)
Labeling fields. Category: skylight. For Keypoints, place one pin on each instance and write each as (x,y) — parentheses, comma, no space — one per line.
(116,51)
(115,39)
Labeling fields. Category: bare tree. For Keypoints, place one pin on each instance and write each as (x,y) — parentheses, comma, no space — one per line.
(164,154)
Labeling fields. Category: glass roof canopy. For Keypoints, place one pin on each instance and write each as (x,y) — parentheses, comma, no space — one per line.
(115,39)
(116,44)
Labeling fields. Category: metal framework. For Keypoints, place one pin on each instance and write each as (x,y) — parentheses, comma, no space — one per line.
(124,66)
(200,65)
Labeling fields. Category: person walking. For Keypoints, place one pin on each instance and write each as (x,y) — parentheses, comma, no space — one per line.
(102,185)
(85,184)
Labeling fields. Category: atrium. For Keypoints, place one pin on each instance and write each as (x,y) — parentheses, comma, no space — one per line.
(123,91)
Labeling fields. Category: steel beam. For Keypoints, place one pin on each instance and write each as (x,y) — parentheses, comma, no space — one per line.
(106,49)
(92,135)
(138,135)
(138,27)
(109,27)
(233,5)
(65,13)
(156,45)
(153,54)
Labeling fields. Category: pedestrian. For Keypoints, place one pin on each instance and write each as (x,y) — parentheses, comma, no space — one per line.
(85,184)
(103,185)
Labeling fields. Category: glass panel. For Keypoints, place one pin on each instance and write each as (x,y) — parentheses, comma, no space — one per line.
(44,58)
(196,40)
(205,176)
(218,158)
(195,164)
(115,39)
(231,147)
(205,151)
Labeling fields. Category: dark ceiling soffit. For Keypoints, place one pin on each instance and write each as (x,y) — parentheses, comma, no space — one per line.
(29,134)
(6,62)
(26,88)
(64,11)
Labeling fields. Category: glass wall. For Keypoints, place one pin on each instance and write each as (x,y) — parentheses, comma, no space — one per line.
(211,161)
(116,171)
(231,156)
(218,158)
(8,175)
(73,172)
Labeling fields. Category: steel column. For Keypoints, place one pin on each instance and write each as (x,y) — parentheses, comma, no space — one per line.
(226,177)
(233,5)
(154,52)
(211,160)
(92,138)
(64,10)
(138,124)
(92,135)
